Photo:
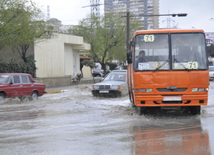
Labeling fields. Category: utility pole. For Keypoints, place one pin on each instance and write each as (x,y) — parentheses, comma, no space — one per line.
(127,30)
(127,24)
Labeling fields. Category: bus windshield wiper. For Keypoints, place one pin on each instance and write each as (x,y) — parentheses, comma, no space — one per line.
(161,65)
(181,64)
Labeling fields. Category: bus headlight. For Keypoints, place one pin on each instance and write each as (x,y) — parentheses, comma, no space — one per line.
(149,90)
(194,89)
(198,89)
(142,90)
(201,89)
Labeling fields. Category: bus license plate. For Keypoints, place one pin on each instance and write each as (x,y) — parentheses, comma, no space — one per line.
(172,98)
(104,91)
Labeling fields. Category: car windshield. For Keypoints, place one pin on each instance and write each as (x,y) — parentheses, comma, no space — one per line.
(115,77)
(4,78)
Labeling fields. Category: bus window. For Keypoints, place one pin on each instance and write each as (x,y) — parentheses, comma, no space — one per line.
(151,52)
(188,51)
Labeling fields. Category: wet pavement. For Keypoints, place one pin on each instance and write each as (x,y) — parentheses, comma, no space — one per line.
(74,122)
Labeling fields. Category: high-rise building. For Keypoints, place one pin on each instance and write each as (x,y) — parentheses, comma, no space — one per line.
(137,8)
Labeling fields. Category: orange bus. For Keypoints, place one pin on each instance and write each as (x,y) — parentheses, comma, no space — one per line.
(168,68)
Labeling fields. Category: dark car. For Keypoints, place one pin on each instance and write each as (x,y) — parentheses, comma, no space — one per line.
(114,84)
(19,85)
(211,72)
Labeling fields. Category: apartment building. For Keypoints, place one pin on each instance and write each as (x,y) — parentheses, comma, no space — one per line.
(137,8)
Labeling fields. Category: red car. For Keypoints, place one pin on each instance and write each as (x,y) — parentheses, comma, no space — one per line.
(19,85)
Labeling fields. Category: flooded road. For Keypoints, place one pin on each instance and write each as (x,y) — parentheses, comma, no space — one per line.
(76,123)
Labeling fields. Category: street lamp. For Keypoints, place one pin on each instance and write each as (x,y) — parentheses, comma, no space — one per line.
(145,15)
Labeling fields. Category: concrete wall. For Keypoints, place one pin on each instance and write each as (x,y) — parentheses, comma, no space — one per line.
(58,56)
(55,81)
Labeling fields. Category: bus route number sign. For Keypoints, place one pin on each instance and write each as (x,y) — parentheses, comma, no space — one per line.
(149,38)
(192,65)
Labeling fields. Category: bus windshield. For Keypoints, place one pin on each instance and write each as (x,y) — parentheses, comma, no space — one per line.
(178,51)
(188,51)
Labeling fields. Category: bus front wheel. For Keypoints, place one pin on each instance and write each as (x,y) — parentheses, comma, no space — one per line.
(141,110)
(131,98)
(195,110)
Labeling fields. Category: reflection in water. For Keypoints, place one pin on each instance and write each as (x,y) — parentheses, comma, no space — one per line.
(175,136)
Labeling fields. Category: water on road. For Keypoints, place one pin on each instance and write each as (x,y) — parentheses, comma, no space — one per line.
(74,122)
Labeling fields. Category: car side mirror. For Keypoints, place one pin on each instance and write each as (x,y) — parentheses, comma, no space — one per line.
(129,57)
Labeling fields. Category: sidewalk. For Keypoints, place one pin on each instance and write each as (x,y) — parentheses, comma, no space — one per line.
(83,81)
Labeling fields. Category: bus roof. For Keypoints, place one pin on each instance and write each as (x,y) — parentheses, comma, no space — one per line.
(163,30)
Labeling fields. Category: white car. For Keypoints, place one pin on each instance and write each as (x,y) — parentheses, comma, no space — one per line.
(211,72)
(114,84)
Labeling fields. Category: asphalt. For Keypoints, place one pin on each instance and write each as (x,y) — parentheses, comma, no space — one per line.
(84,81)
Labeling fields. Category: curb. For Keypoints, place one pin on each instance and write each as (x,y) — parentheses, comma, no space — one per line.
(53,92)
(56,91)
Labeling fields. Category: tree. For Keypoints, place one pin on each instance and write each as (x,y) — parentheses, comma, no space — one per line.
(21,23)
(106,34)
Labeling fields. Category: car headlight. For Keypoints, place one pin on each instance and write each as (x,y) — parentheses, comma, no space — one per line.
(115,87)
(95,87)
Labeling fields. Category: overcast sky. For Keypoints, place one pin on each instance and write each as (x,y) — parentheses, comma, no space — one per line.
(199,12)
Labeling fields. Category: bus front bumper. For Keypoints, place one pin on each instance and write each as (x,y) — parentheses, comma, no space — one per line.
(158,100)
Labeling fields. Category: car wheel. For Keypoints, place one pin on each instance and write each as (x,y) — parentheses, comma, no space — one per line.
(94,95)
(2,97)
(34,96)
(21,98)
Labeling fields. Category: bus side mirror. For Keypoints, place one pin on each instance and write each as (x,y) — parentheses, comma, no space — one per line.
(212,50)
(131,43)
(129,57)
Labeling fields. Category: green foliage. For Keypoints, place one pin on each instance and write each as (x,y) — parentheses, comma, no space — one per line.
(88,63)
(111,65)
(21,23)
(28,67)
(107,36)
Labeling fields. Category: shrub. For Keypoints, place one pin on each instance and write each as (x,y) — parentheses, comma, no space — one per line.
(28,67)
(111,65)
